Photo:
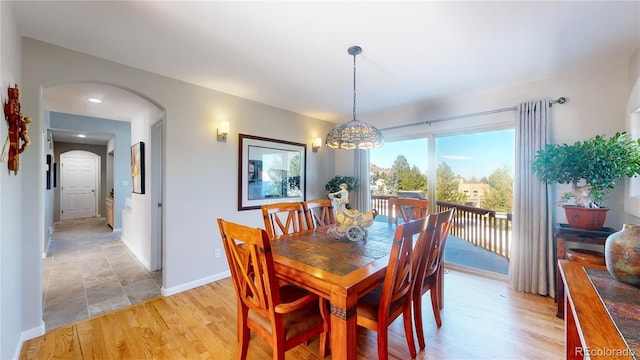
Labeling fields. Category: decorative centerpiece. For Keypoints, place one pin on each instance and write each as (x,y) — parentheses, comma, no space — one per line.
(622,254)
(351,223)
(592,168)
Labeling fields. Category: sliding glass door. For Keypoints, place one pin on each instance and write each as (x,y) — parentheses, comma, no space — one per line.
(473,173)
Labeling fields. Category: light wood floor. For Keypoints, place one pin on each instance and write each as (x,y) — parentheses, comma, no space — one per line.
(482,319)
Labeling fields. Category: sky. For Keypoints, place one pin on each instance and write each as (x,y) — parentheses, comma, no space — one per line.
(470,155)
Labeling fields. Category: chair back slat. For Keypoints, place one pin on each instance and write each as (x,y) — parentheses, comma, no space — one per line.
(284,219)
(250,260)
(432,245)
(409,209)
(398,281)
(319,213)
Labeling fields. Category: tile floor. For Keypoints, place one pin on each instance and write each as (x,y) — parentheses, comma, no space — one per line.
(89,271)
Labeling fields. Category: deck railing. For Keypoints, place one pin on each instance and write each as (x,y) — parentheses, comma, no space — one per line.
(487,228)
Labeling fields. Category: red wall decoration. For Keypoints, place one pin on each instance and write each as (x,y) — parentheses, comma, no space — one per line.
(17,139)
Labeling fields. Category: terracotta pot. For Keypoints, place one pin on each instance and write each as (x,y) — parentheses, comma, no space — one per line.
(585,218)
(622,254)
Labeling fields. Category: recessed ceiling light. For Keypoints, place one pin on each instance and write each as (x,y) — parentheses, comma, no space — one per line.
(94,100)
(82,135)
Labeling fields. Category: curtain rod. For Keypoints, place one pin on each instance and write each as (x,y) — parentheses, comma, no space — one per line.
(560,100)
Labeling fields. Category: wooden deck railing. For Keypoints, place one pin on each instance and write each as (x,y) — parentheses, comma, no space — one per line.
(487,228)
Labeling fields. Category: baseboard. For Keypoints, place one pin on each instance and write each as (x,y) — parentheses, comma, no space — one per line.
(194,284)
(28,335)
(474,271)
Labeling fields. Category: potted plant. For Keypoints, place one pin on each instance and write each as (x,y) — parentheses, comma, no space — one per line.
(591,167)
(333,185)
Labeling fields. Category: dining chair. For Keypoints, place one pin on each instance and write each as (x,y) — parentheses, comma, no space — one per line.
(408,209)
(284,219)
(319,213)
(430,269)
(380,307)
(284,316)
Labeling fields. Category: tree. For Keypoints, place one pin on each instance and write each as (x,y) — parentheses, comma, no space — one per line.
(447,185)
(413,180)
(405,177)
(501,194)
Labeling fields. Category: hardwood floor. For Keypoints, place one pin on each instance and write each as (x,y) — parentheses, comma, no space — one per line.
(482,319)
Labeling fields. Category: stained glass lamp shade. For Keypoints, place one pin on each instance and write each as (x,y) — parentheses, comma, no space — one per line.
(354,134)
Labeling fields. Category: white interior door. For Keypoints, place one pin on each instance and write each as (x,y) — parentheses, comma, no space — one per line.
(79,184)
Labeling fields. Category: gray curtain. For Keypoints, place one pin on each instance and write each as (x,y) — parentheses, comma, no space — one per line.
(361,170)
(531,266)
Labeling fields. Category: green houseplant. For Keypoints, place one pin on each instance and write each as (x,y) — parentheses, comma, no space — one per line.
(333,185)
(591,167)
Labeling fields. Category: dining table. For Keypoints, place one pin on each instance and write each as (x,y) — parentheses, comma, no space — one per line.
(336,269)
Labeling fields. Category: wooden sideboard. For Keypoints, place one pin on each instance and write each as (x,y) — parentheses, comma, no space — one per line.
(590,331)
(109,211)
(564,234)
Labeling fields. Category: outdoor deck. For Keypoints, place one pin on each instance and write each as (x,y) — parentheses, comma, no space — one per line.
(463,253)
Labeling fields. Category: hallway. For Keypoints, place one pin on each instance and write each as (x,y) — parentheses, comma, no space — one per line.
(89,271)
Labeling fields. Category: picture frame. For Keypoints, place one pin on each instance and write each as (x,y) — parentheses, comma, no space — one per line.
(270,171)
(49,170)
(137,168)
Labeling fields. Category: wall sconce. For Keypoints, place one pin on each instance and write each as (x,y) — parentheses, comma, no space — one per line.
(223,131)
(316,144)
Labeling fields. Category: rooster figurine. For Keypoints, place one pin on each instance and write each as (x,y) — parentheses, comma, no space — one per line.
(350,223)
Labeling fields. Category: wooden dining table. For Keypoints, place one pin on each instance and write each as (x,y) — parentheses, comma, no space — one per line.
(339,270)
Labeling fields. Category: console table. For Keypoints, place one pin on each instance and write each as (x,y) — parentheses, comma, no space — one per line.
(563,234)
(589,299)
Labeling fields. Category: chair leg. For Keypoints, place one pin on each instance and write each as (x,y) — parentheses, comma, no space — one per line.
(408,331)
(436,307)
(244,333)
(383,343)
(278,348)
(440,286)
(417,318)
(324,349)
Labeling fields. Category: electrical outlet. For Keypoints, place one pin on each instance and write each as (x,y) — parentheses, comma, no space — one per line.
(217,253)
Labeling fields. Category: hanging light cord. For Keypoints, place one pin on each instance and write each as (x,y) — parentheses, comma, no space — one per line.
(354,86)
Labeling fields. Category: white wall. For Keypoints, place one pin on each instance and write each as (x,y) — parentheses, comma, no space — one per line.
(137,236)
(11,269)
(200,174)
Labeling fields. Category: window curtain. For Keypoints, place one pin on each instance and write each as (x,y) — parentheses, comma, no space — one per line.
(361,170)
(531,265)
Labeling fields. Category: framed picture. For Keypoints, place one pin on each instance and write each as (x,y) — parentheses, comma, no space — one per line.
(49,170)
(137,168)
(270,171)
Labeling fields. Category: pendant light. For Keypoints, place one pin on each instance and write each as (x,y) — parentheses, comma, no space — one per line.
(354,134)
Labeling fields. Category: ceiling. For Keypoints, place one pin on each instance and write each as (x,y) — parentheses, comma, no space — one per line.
(293,54)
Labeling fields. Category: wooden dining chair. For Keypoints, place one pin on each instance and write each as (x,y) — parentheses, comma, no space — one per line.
(319,213)
(380,307)
(430,269)
(408,209)
(284,316)
(284,219)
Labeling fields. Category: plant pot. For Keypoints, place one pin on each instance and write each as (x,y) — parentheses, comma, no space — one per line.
(585,218)
(622,254)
